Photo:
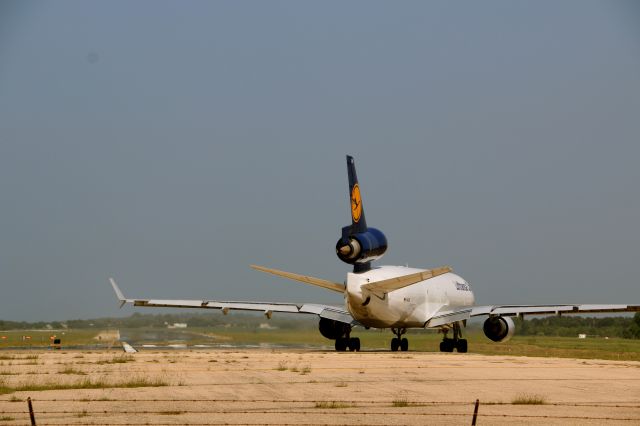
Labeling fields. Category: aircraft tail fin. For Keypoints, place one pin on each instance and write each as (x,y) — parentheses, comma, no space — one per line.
(358,222)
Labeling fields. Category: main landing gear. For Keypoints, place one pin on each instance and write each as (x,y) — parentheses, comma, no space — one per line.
(351,343)
(458,343)
(399,342)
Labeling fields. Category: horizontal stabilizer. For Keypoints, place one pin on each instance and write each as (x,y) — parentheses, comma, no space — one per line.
(303,278)
(380,288)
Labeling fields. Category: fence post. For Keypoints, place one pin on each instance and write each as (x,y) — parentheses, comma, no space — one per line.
(475,413)
(33,417)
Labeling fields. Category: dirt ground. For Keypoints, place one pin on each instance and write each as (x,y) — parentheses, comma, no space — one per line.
(313,387)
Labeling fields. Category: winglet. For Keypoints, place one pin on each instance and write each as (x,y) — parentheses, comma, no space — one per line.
(119,294)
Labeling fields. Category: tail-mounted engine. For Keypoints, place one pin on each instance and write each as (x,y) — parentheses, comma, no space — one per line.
(362,247)
(499,329)
(359,244)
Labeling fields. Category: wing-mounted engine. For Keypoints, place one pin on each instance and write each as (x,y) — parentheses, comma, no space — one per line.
(499,329)
(359,244)
(332,329)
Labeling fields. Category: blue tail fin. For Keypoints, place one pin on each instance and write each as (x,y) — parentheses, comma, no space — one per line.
(358,222)
(359,244)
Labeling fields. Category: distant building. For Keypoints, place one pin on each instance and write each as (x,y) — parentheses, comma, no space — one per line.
(266,326)
(177,325)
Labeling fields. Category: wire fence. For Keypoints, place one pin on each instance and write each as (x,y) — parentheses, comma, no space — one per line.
(413,403)
(345,408)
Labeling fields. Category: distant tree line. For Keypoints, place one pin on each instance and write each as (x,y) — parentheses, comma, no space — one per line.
(571,326)
(138,320)
(566,326)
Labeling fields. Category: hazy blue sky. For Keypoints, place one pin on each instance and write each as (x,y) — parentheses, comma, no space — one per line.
(171,144)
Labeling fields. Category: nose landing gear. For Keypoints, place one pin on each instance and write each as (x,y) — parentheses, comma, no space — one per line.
(399,342)
(458,343)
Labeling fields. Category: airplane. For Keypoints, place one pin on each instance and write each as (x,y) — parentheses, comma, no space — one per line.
(390,297)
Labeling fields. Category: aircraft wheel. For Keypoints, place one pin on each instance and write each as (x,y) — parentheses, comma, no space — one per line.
(354,344)
(395,344)
(461,346)
(341,344)
(404,345)
(446,345)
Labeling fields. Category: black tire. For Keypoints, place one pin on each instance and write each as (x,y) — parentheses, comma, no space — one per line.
(404,345)
(446,345)
(341,344)
(461,346)
(395,344)
(354,344)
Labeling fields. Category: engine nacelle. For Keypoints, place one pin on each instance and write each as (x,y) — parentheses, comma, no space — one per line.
(499,329)
(332,329)
(362,247)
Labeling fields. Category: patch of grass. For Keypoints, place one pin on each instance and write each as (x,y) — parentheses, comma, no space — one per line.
(400,402)
(529,399)
(71,370)
(82,413)
(282,366)
(331,404)
(341,385)
(15,399)
(6,419)
(121,359)
(7,373)
(135,382)
(305,370)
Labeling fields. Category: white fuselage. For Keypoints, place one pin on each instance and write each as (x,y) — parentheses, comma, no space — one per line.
(408,307)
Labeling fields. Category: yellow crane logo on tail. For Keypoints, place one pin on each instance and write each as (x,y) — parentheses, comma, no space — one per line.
(356,203)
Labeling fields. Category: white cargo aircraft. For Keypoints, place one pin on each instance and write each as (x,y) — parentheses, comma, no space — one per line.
(394,297)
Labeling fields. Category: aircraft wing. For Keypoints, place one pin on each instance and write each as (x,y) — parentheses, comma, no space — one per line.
(268,308)
(450,314)
(514,310)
